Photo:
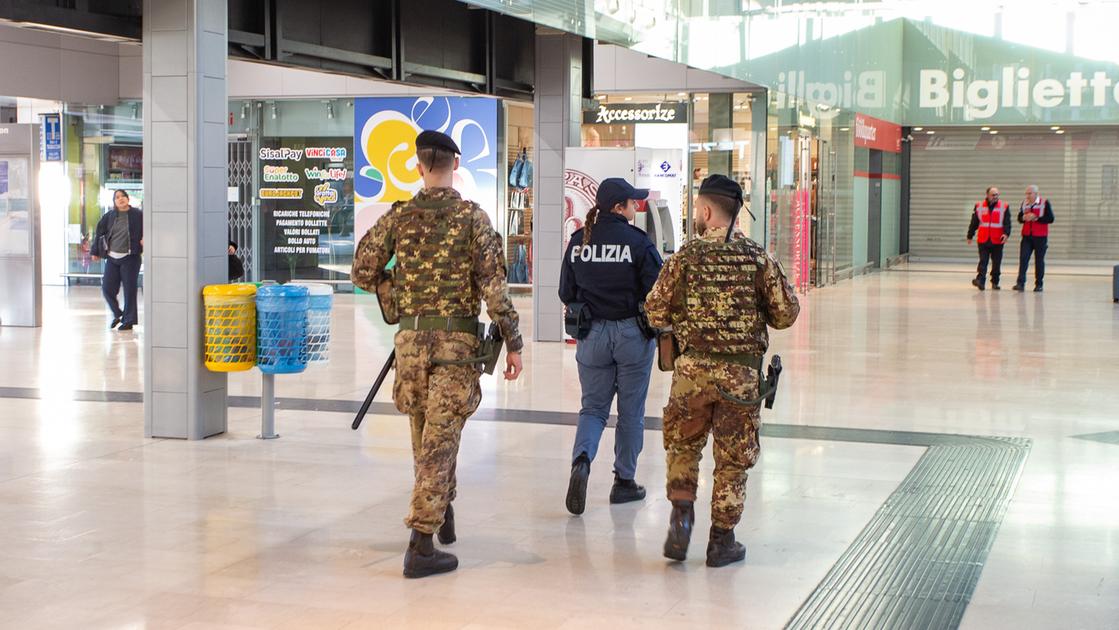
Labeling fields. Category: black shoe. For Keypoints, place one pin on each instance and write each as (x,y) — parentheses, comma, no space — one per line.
(577,487)
(447,530)
(116,322)
(1037,289)
(1019,287)
(626,491)
(995,286)
(125,327)
(978,284)
(423,559)
(679,530)
(722,549)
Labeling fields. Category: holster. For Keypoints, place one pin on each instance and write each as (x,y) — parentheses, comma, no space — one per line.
(668,348)
(643,322)
(577,320)
(386,298)
(491,349)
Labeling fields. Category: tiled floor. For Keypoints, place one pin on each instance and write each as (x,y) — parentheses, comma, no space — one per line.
(104,529)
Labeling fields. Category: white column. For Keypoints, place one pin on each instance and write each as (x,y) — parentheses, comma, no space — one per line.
(558,110)
(185,211)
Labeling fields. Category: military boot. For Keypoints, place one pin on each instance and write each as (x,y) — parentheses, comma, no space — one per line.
(722,549)
(626,490)
(577,486)
(423,559)
(447,530)
(679,530)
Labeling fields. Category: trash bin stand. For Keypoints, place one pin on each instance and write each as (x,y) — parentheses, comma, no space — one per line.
(268,407)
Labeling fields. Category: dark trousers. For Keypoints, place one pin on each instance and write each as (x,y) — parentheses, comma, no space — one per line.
(1032,245)
(993,253)
(122,271)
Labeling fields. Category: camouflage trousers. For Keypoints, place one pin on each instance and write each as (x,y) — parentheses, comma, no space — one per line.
(695,408)
(437,399)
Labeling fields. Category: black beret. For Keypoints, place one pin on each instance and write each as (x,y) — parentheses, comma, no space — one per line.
(436,140)
(721,185)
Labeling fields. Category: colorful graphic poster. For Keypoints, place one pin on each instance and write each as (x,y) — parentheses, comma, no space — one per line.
(385,131)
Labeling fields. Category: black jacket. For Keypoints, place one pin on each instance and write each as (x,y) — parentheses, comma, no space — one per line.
(974,227)
(135,232)
(615,273)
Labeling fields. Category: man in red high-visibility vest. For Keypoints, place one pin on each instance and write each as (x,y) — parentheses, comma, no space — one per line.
(1035,215)
(990,225)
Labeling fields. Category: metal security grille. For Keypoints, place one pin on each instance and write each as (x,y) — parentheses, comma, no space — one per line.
(241,211)
(917,562)
(1078,171)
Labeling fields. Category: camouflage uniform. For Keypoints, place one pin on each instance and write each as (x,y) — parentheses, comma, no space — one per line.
(718,298)
(448,258)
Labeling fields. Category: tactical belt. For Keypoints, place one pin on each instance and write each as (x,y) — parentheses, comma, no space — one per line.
(467,325)
(749,360)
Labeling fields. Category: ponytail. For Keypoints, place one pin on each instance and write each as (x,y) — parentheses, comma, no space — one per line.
(592,217)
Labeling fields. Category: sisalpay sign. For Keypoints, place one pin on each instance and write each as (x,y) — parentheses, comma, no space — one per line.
(637,113)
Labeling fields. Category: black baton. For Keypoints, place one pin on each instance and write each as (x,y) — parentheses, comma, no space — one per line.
(373,391)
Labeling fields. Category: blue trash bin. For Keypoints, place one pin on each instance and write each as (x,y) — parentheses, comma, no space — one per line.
(318,322)
(281,315)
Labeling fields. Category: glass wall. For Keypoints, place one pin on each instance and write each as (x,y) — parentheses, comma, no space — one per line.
(103,152)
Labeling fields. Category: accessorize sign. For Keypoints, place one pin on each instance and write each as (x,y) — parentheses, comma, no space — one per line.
(873,133)
(607,114)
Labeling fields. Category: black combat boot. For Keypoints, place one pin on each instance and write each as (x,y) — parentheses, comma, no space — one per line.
(447,530)
(626,490)
(577,487)
(423,559)
(722,549)
(679,530)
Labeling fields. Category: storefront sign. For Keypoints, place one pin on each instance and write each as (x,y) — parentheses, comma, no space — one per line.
(50,138)
(385,131)
(638,113)
(872,133)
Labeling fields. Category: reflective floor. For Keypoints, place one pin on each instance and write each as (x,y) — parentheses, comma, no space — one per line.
(105,529)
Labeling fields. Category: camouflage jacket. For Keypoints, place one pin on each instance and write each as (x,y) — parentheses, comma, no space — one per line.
(448,252)
(734,294)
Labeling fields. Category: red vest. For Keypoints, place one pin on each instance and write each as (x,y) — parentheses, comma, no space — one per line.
(1035,228)
(990,221)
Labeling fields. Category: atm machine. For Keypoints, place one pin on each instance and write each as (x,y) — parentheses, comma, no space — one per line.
(21,292)
(657,223)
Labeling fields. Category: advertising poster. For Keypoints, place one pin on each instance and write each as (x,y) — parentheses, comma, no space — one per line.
(585,168)
(305,195)
(385,131)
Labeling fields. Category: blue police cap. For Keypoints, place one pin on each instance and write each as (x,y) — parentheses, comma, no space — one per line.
(615,190)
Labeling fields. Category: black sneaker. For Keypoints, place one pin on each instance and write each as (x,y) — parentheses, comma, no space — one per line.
(626,491)
(978,284)
(116,322)
(577,487)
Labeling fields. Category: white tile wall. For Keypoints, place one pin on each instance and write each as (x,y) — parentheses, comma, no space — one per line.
(169,99)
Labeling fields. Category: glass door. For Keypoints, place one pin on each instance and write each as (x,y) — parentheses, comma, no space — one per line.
(824,237)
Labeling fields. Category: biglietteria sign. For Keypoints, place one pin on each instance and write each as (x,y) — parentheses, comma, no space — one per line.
(1014,88)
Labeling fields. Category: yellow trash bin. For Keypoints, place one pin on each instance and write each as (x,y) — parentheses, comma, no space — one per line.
(230,327)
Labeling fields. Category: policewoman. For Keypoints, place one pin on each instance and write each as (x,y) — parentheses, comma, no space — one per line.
(607,271)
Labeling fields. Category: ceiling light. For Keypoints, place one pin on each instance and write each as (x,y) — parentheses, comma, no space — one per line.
(1055,127)
(984,128)
(918,129)
(994,131)
(930,132)
(681,94)
(601,97)
(629,98)
(845,129)
(1060,131)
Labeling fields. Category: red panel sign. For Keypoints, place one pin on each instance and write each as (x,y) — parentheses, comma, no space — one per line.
(873,133)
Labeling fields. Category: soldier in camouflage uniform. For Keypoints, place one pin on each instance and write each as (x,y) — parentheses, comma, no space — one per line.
(717,297)
(448,259)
